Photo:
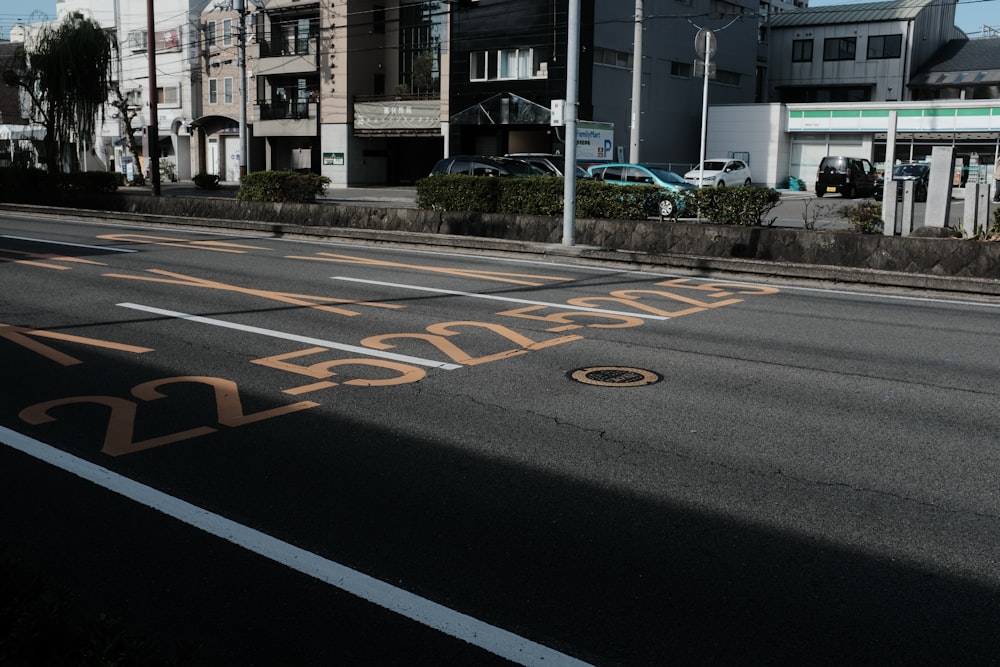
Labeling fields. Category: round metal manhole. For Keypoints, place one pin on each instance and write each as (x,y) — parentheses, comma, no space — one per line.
(614,376)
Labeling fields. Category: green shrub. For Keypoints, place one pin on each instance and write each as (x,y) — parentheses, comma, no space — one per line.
(741,205)
(597,199)
(89,181)
(864,217)
(459,192)
(206,181)
(18,183)
(543,195)
(537,195)
(282,186)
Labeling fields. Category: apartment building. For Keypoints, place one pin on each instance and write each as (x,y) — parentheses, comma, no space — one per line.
(215,133)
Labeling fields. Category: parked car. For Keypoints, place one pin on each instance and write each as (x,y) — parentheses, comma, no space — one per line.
(641,174)
(849,176)
(549,163)
(720,172)
(920,172)
(482,165)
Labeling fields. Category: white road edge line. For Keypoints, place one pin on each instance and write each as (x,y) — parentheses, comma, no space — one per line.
(73,245)
(431,614)
(492,297)
(367,351)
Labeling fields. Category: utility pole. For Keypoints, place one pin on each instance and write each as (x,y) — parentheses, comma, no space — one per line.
(242,37)
(152,133)
(570,113)
(633,155)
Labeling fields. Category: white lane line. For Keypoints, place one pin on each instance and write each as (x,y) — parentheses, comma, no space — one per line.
(493,297)
(367,351)
(72,245)
(431,614)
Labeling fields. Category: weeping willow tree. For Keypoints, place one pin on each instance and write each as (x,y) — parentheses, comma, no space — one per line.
(66,74)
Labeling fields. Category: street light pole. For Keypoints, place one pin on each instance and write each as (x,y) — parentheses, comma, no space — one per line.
(152,132)
(633,155)
(242,37)
(570,114)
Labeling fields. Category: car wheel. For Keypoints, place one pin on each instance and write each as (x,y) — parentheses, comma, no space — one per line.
(921,194)
(819,192)
(849,192)
(721,184)
(666,208)
(747,182)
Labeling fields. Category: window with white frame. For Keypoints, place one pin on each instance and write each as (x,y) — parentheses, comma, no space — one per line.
(137,40)
(213,91)
(478,66)
(227,32)
(227,90)
(210,34)
(505,64)
(168,96)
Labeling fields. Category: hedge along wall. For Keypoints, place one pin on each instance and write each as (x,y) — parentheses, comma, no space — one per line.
(938,257)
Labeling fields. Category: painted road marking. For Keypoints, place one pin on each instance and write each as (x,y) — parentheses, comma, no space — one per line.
(493,297)
(431,614)
(19,336)
(367,351)
(306,300)
(498,276)
(72,245)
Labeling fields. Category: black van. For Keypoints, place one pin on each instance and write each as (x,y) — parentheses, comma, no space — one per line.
(850,176)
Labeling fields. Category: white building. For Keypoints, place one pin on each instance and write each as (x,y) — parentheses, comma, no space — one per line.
(178,93)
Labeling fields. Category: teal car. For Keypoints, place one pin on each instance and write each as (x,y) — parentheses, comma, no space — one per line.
(641,174)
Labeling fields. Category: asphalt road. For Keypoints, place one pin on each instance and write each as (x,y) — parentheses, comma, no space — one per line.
(272,452)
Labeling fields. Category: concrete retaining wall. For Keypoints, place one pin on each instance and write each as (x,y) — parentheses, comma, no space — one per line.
(924,256)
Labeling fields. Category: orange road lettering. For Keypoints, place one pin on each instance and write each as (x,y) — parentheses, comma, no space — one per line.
(35,256)
(495,276)
(309,301)
(216,246)
(20,336)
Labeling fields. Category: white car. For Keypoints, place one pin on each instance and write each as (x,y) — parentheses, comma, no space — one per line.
(720,171)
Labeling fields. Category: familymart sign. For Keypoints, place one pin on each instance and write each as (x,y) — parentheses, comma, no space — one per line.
(910,118)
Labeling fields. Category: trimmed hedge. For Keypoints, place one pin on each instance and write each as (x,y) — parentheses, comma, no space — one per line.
(281,186)
(17,183)
(741,205)
(543,195)
(536,195)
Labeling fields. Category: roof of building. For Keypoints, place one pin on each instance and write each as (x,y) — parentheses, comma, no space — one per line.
(962,62)
(865,12)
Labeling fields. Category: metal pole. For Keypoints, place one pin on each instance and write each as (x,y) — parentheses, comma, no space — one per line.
(571,108)
(152,133)
(242,35)
(704,109)
(633,155)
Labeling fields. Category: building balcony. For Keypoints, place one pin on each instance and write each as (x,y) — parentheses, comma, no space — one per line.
(285,118)
(281,57)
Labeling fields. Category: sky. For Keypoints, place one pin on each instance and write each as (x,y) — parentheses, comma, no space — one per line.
(970,16)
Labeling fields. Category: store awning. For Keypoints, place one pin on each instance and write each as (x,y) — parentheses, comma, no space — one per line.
(503,109)
(11,132)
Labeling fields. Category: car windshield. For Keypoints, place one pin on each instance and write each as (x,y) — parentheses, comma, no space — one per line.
(667,176)
(712,165)
(908,170)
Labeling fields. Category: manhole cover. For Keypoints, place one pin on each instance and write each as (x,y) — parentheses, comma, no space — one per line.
(614,376)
